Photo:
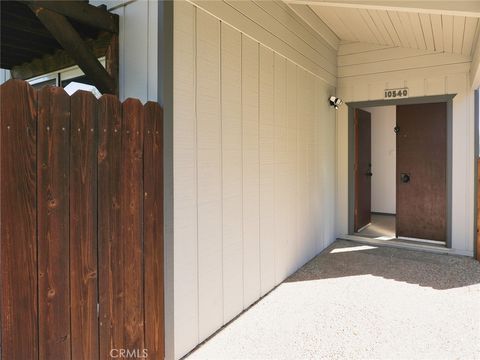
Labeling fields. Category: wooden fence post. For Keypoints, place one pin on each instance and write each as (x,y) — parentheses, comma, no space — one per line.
(153,230)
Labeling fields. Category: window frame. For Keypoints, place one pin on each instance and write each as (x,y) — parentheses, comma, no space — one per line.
(62,74)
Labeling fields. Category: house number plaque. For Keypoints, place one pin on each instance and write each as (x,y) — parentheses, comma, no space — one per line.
(396,93)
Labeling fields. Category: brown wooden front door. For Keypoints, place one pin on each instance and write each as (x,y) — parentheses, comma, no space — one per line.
(363,168)
(421,171)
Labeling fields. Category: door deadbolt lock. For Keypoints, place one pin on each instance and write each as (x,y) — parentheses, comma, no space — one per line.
(404,178)
(369,171)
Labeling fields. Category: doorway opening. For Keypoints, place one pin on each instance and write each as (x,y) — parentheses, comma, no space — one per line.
(375,150)
(400,170)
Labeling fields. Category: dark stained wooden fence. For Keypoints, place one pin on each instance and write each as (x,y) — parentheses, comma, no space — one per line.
(81,225)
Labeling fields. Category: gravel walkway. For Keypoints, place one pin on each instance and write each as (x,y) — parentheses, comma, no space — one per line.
(362,302)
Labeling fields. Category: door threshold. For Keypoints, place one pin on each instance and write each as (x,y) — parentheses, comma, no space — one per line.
(436,242)
(363,227)
(393,242)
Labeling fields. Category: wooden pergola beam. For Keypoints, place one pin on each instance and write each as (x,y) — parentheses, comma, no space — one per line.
(61,59)
(80,11)
(71,41)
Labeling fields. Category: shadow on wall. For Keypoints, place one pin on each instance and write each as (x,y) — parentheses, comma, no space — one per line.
(345,258)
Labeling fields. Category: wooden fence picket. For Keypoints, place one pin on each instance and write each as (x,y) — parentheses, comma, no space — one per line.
(83,226)
(131,215)
(110,250)
(53,142)
(19,307)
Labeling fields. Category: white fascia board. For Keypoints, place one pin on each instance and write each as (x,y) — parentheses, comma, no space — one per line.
(469,8)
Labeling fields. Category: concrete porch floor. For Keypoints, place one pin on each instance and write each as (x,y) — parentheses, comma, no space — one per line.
(355,301)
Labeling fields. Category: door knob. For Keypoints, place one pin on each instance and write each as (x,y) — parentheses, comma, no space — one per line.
(405,178)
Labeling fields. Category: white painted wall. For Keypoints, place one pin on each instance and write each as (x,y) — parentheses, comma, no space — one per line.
(254,159)
(365,71)
(4,75)
(138,48)
(383,158)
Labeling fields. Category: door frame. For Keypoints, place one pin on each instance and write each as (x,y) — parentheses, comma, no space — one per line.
(448,99)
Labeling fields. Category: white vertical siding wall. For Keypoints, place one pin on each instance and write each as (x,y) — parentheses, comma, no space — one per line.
(250,178)
(365,71)
(232,171)
(185,274)
(267,171)
(138,47)
(254,167)
(275,25)
(325,131)
(209,175)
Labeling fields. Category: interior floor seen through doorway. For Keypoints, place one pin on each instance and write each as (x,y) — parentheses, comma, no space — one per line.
(381,225)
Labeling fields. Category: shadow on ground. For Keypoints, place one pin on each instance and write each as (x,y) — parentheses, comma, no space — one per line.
(347,258)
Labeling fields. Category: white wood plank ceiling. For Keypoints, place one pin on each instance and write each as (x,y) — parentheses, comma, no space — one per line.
(443,33)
